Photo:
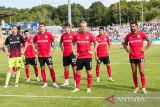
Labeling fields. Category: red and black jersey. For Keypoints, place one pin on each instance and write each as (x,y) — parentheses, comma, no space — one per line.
(14,42)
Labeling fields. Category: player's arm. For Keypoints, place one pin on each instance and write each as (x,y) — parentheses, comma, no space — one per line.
(96,57)
(94,49)
(125,46)
(61,45)
(5,46)
(149,42)
(34,44)
(109,46)
(54,43)
(6,49)
(25,47)
(34,47)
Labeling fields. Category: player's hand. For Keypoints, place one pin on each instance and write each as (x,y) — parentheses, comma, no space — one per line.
(74,52)
(50,54)
(62,50)
(36,52)
(97,59)
(8,54)
(22,53)
(143,50)
(128,51)
(109,52)
(91,52)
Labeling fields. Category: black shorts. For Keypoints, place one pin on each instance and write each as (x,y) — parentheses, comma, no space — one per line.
(32,61)
(47,60)
(136,61)
(87,62)
(105,60)
(71,59)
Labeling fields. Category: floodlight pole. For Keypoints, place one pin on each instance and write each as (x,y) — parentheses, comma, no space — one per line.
(69,12)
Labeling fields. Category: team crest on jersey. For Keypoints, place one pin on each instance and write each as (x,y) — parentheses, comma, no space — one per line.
(138,36)
(105,39)
(46,36)
(87,37)
(70,36)
(78,37)
(17,38)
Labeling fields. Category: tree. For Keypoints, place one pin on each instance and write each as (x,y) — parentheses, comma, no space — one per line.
(96,14)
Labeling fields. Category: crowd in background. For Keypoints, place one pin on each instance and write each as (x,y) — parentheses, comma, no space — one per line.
(115,31)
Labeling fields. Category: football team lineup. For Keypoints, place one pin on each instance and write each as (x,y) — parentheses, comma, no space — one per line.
(22,51)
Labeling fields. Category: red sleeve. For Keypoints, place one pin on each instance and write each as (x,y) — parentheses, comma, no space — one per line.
(108,40)
(61,40)
(74,37)
(126,37)
(144,35)
(51,37)
(35,39)
(93,38)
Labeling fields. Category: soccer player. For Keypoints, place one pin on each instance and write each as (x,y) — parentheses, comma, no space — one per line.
(136,51)
(66,44)
(14,41)
(102,54)
(30,56)
(44,39)
(83,40)
(22,55)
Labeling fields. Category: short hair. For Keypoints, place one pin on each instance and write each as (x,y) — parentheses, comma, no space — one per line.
(26,31)
(19,28)
(134,22)
(67,25)
(42,23)
(83,22)
(101,27)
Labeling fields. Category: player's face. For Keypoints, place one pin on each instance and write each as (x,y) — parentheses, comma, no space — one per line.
(14,30)
(134,28)
(67,29)
(83,27)
(101,32)
(42,28)
(27,34)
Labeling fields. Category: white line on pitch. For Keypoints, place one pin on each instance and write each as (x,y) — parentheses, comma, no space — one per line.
(60,97)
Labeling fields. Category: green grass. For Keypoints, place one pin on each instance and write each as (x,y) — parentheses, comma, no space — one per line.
(122,87)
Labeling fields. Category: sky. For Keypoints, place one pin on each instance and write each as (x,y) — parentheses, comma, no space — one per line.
(31,3)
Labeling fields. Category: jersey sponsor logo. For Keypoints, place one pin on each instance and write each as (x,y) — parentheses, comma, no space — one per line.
(135,41)
(87,37)
(42,41)
(82,41)
(29,44)
(101,43)
(138,36)
(14,42)
(67,41)
(46,36)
